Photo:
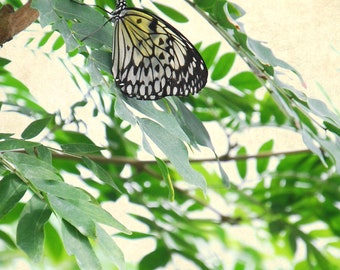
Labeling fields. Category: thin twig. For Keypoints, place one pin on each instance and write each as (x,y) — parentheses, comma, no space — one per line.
(138,163)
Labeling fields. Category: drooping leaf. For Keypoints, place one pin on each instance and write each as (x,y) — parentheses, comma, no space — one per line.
(174,149)
(11,191)
(110,248)
(78,245)
(72,214)
(30,231)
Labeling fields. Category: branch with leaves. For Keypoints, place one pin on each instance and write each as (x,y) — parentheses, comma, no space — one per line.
(55,181)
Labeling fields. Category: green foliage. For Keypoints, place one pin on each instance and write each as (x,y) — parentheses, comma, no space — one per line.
(286,206)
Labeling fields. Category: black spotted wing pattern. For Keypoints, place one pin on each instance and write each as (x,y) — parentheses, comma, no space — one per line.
(151,59)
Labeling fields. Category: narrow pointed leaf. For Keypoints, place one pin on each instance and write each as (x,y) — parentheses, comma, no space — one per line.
(78,245)
(30,231)
(11,191)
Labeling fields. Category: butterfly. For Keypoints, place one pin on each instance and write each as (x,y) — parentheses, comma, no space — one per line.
(151,59)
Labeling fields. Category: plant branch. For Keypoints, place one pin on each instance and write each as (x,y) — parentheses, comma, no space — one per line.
(12,22)
(139,163)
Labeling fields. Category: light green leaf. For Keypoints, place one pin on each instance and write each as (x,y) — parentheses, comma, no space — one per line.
(122,111)
(167,178)
(223,66)
(242,164)
(73,215)
(267,57)
(30,232)
(61,189)
(174,150)
(63,28)
(46,11)
(98,214)
(319,108)
(164,117)
(172,13)
(209,53)
(78,245)
(245,81)
(262,163)
(15,144)
(110,248)
(98,171)
(27,165)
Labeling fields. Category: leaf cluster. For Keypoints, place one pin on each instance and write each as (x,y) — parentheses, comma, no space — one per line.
(186,206)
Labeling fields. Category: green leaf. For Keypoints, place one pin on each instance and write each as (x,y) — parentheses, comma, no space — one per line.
(58,43)
(223,66)
(53,246)
(102,60)
(27,165)
(163,117)
(209,53)
(192,126)
(332,128)
(45,39)
(73,215)
(7,239)
(35,128)
(266,55)
(242,164)
(110,248)
(46,11)
(11,191)
(174,150)
(44,154)
(319,108)
(98,214)
(5,135)
(68,37)
(80,148)
(262,163)
(102,174)
(30,232)
(83,214)
(245,81)
(158,258)
(61,189)
(219,11)
(15,144)
(4,62)
(172,13)
(78,245)
(167,178)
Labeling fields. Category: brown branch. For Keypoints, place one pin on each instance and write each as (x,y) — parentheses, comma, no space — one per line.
(140,163)
(12,22)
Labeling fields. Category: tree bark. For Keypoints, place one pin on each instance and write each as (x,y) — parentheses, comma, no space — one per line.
(12,22)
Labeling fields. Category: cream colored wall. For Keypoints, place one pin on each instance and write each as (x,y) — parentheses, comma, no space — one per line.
(300,32)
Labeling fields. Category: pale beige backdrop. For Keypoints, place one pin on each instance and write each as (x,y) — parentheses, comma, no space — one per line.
(301,32)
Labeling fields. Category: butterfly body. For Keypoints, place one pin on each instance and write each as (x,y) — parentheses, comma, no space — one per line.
(151,59)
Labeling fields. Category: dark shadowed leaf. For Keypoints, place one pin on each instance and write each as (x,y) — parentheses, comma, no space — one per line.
(30,230)
(35,128)
(11,191)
